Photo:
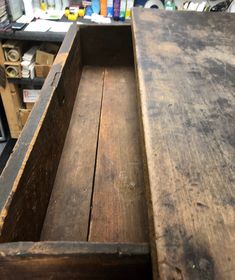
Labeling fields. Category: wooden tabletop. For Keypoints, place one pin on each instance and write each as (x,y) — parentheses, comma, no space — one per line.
(186,74)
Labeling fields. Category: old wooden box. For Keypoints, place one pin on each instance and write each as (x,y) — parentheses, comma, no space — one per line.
(72,196)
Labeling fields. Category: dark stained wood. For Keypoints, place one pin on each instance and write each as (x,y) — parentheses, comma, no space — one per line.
(27,180)
(186,69)
(69,208)
(118,208)
(107,45)
(74,260)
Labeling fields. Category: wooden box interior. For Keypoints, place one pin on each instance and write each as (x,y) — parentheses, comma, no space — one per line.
(72,195)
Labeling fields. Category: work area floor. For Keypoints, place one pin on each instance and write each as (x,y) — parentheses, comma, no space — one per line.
(99,191)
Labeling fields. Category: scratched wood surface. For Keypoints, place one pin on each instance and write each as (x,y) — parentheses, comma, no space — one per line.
(186,71)
(27,180)
(69,208)
(101,167)
(74,260)
(119,206)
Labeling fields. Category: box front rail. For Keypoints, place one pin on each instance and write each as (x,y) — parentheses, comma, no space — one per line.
(74,260)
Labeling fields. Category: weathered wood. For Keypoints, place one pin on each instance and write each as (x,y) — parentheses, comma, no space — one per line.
(74,260)
(11,103)
(10,98)
(16,97)
(107,45)
(24,114)
(118,208)
(186,69)
(2,58)
(69,208)
(27,180)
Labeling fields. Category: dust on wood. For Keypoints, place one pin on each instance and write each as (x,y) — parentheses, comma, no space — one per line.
(188,112)
(118,209)
(69,208)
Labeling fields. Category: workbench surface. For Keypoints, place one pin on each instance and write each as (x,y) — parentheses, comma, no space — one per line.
(186,73)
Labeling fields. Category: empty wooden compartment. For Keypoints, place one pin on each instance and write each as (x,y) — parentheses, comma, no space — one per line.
(72,196)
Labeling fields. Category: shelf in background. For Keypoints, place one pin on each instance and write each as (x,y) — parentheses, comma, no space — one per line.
(25,81)
(33,36)
(51,36)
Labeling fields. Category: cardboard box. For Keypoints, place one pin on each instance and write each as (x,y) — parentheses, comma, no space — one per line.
(31,95)
(29,105)
(41,71)
(24,114)
(46,54)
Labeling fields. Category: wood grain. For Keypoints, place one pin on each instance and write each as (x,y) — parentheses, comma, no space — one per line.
(10,99)
(28,178)
(74,260)
(113,45)
(118,208)
(69,208)
(186,69)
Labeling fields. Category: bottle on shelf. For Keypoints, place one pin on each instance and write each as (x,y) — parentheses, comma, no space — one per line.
(116,9)
(170,5)
(122,10)
(43,5)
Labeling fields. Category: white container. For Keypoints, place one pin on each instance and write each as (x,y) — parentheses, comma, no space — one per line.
(58,5)
(28,8)
(129,6)
(36,5)
(51,4)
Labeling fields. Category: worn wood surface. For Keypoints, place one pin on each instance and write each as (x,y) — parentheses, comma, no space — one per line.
(118,207)
(10,98)
(109,183)
(113,45)
(186,69)
(12,104)
(69,208)
(74,260)
(27,180)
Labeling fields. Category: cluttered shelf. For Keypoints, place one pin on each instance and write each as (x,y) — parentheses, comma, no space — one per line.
(35,36)
(24,67)
(51,19)
(49,36)
(34,22)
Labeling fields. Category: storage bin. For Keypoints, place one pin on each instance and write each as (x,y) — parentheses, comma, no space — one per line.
(72,196)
